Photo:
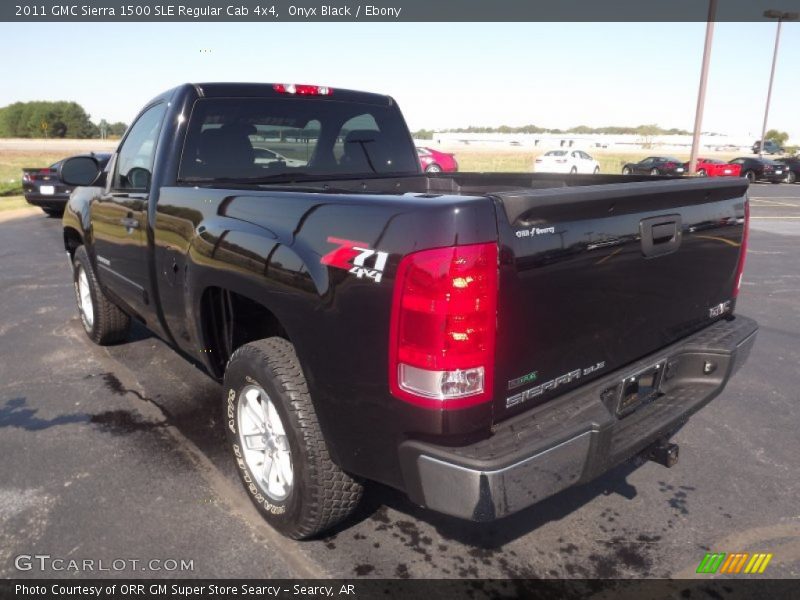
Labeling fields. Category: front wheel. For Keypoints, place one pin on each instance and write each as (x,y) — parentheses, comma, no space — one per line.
(626,171)
(434,168)
(103,321)
(277,443)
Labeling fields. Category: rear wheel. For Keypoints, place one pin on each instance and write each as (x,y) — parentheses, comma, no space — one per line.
(596,170)
(701,173)
(104,322)
(751,176)
(277,443)
(434,168)
(791,177)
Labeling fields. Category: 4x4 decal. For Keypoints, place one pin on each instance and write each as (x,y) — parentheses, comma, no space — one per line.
(357,258)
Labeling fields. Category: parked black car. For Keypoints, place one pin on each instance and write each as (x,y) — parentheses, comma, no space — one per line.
(655,165)
(792,165)
(45,189)
(761,169)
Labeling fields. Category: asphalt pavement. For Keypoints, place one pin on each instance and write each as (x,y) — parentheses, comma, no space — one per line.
(117,454)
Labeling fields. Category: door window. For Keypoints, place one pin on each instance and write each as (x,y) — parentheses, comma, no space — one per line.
(134,165)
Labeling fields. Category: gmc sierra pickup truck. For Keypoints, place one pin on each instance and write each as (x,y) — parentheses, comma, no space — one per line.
(478,341)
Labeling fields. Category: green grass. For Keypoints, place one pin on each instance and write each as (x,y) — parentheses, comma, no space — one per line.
(13,202)
(12,163)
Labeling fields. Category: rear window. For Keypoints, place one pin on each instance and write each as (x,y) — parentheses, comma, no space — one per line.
(247,139)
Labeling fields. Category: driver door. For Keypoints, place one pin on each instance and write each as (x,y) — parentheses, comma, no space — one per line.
(119,215)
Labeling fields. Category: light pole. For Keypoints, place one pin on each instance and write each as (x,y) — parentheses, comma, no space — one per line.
(781,16)
(701,95)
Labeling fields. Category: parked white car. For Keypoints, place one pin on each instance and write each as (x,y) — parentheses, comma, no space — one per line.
(566,161)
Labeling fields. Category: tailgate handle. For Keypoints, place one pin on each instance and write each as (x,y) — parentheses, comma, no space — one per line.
(663,233)
(660,235)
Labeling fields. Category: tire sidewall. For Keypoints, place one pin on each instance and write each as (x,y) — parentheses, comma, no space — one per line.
(81,261)
(249,367)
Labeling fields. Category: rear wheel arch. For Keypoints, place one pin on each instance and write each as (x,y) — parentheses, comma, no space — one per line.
(229,320)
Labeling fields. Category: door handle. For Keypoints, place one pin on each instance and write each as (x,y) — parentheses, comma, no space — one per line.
(130,223)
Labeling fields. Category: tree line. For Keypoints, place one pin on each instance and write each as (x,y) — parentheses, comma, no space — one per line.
(41,119)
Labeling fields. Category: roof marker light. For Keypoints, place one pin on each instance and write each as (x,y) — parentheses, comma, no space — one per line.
(302,89)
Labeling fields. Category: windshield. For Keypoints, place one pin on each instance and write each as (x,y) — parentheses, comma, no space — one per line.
(243,139)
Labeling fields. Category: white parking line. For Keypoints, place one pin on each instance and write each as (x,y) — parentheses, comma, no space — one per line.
(773,202)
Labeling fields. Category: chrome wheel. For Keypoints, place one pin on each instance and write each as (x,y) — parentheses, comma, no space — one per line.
(84,293)
(264,443)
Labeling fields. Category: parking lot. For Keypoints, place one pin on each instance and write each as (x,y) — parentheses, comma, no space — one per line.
(117,453)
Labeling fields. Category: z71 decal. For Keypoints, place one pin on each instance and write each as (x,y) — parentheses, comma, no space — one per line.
(357,258)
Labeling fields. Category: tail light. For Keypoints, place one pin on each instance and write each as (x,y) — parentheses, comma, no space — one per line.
(442,336)
(742,249)
(670,165)
(302,90)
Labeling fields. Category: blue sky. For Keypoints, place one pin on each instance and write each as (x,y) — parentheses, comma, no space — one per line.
(442,74)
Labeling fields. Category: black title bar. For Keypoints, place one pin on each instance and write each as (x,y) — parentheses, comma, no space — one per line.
(270,11)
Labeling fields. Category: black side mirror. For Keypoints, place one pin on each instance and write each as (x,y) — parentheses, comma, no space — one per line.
(81,170)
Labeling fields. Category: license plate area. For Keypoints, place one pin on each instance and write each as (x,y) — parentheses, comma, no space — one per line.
(639,388)
(47,189)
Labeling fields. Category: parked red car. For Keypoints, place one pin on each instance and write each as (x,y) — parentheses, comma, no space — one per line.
(711,167)
(433,161)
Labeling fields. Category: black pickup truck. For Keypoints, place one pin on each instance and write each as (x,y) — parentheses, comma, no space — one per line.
(479,341)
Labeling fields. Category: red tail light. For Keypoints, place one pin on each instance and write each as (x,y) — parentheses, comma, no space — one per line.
(302,90)
(670,165)
(442,336)
(742,249)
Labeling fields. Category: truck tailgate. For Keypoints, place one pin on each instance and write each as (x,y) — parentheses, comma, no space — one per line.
(594,277)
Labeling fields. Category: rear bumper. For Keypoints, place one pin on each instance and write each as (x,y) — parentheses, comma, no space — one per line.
(576,437)
(47,200)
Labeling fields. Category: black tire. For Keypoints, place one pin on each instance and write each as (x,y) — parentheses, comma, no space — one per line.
(791,177)
(108,323)
(596,170)
(654,172)
(54,212)
(751,176)
(433,168)
(573,171)
(320,494)
(626,170)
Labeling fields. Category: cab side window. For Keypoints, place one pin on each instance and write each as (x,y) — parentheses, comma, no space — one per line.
(134,164)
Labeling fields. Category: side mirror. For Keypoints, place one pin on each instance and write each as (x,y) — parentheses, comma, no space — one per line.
(81,170)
